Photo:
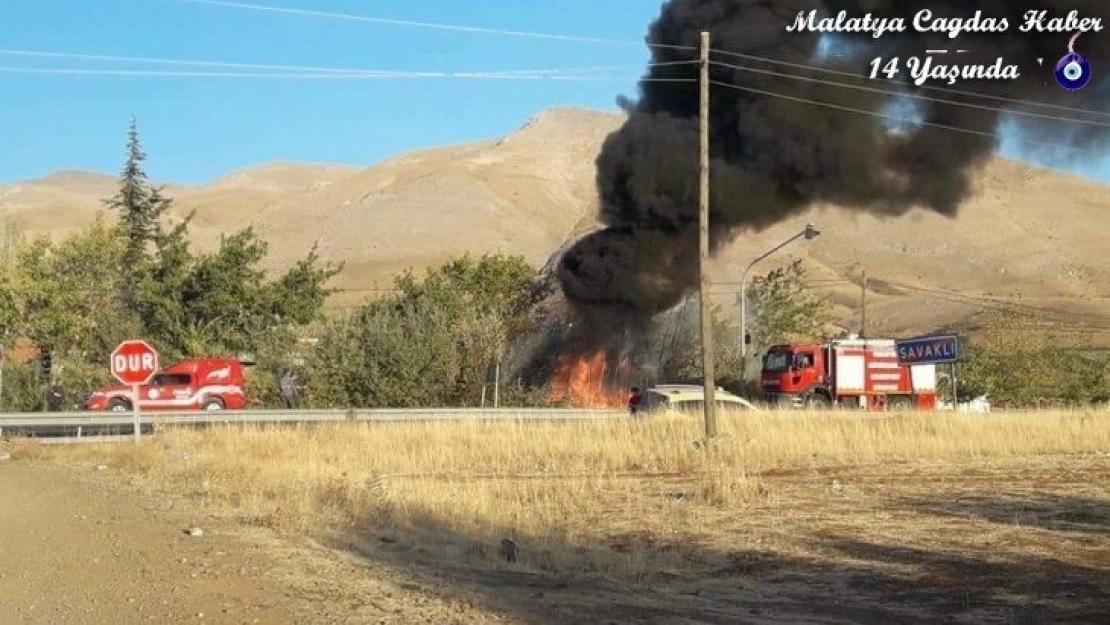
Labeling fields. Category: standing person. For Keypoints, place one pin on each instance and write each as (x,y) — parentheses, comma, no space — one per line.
(635,400)
(55,397)
(287,385)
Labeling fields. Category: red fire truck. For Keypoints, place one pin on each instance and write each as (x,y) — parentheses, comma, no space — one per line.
(850,373)
(194,384)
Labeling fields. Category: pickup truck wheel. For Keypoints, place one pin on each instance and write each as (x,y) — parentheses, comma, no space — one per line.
(119,405)
(213,404)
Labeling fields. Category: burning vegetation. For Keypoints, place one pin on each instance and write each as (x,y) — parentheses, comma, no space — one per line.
(589,381)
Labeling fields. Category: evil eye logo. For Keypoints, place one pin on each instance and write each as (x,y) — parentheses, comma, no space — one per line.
(1073,72)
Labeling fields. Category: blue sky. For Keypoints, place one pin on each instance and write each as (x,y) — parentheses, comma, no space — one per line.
(196,129)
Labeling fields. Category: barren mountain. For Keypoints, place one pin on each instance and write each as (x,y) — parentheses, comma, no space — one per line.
(1030,238)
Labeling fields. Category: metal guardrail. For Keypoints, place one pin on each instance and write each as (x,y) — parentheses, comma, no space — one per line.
(32,421)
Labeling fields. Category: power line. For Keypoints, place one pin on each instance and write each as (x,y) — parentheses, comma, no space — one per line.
(981,301)
(985,302)
(421,24)
(326,76)
(827,70)
(455,27)
(1013,306)
(996,303)
(198,74)
(316,69)
(584,39)
(905,120)
(910,95)
(164,61)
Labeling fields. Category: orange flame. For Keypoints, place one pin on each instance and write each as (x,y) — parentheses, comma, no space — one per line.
(583,382)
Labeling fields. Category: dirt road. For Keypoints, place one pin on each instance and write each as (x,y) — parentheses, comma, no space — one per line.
(72,552)
(74,548)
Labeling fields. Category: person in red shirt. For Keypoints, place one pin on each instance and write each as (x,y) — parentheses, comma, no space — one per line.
(634,400)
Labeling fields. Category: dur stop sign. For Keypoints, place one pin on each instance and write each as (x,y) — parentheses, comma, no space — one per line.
(133,362)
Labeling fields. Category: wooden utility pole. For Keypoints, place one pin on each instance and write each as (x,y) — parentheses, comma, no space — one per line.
(708,380)
(863,306)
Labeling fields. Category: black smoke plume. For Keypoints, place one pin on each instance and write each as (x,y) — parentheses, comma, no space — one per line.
(772,157)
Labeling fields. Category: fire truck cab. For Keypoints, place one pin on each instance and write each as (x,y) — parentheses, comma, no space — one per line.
(194,384)
(850,373)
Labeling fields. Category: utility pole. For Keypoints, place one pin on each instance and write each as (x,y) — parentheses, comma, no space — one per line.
(863,306)
(708,380)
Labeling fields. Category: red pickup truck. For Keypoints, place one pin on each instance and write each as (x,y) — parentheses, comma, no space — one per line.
(194,384)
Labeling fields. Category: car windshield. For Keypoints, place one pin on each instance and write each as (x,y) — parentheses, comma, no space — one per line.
(170,379)
(777,361)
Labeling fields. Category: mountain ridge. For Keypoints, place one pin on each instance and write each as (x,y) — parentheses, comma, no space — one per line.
(1028,232)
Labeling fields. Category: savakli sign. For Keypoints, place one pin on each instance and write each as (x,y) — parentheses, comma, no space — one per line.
(928,349)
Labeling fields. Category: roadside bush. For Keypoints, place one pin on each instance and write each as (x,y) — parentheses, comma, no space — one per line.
(429,345)
(25,386)
(1019,366)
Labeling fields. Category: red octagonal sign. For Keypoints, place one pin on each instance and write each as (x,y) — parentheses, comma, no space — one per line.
(133,362)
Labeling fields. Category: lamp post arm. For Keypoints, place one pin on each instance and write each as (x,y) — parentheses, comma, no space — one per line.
(778,247)
(744,291)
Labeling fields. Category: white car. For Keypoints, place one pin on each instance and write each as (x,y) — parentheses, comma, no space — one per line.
(689,398)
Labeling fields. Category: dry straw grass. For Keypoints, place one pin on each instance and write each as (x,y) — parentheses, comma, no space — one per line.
(466,485)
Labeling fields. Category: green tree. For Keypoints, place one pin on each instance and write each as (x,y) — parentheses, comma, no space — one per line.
(218,303)
(782,309)
(432,342)
(62,297)
(141,207)
(676,341)
(1019,363)
(65,295)
(221,303)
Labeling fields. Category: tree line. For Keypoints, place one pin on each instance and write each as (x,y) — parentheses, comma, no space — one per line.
(74,300)
(432,342)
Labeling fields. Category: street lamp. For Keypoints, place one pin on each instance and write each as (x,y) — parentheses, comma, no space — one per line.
(809,233)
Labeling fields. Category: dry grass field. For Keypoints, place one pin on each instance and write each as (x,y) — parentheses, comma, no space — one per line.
(787,518)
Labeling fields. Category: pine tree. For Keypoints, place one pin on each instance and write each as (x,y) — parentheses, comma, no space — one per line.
(140,207)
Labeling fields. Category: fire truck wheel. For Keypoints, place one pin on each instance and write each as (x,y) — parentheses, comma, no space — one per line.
(817,401)
(119,405)
(213,404)
(901,404)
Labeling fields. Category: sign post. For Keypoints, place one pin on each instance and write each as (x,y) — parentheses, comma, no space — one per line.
(955,389)
(137,423)
(943,348)
(133,363)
